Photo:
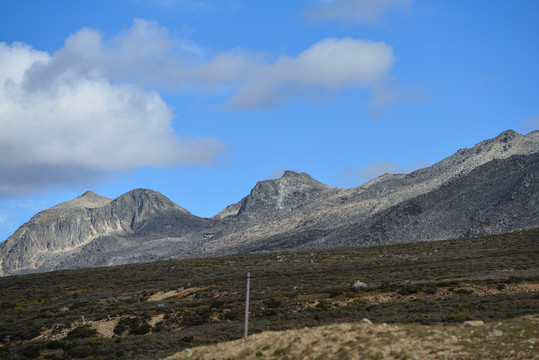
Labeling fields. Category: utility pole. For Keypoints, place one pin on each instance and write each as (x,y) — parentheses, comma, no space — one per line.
(246,331)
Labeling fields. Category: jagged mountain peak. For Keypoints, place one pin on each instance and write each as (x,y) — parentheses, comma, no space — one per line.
(271,198)
(296,179)
(145,199)
(293,178)
(141,192)
(143,195)
(88,193)
(89,200)
(73,226)
(508,133)
(291,174)
(510,141)
(506,144)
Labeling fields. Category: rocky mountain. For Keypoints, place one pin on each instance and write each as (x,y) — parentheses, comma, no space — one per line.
(349,216)
(57,237)
(490,188)
(273,198)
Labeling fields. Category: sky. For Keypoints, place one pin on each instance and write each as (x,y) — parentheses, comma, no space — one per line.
(200,99)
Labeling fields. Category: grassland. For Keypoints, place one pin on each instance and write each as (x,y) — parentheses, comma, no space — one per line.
(153,310)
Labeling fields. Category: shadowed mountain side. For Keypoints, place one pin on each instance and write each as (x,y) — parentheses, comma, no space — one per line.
(339,209)
(150,214)
(499,196)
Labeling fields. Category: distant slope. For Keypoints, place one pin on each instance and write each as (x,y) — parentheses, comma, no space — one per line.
(372,213)
(489,189)
(496,197)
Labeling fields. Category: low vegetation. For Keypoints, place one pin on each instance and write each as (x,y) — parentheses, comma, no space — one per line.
(153,310)
(363,340)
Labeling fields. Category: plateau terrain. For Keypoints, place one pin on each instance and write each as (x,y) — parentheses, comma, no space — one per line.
(457,299)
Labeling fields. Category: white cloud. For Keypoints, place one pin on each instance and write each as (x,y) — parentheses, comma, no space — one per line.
(60,112)
(90,105)
(148,56)
(328,66)
(356,12)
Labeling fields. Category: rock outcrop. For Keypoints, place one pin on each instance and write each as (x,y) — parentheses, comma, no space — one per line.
(488,189)
(274,198)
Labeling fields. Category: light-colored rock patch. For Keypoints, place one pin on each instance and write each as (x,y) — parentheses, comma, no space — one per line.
(162,295)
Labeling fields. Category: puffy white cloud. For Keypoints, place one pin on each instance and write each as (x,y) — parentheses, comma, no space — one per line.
(62,121)
(354,12)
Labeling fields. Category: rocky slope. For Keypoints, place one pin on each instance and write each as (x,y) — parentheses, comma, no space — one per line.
(490,188)
(370,213)
(57,237)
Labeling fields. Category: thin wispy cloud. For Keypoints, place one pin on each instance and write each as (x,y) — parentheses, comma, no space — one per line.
(329,66)
(353,12)
(352,176)
(147,56)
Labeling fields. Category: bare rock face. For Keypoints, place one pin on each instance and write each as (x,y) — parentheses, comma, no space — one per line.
(496,197)
(274,198)
(491,188)
(64,229)
(361,216)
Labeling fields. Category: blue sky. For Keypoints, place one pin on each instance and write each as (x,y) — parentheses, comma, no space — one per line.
(200,99)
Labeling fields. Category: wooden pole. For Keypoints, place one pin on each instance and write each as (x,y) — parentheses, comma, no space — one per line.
(246,331)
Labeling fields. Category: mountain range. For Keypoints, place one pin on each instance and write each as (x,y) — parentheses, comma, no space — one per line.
(491,188)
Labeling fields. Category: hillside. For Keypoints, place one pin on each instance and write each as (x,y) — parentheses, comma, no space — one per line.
(422,290)
(364,340)
(491,188)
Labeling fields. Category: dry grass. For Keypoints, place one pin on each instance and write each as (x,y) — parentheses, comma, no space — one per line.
(494,279)
(515,339)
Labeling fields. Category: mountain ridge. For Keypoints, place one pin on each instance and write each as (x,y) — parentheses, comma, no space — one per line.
(489,188)
(69,226)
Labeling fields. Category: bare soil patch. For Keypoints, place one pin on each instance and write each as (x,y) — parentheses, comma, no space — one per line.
(162,295)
